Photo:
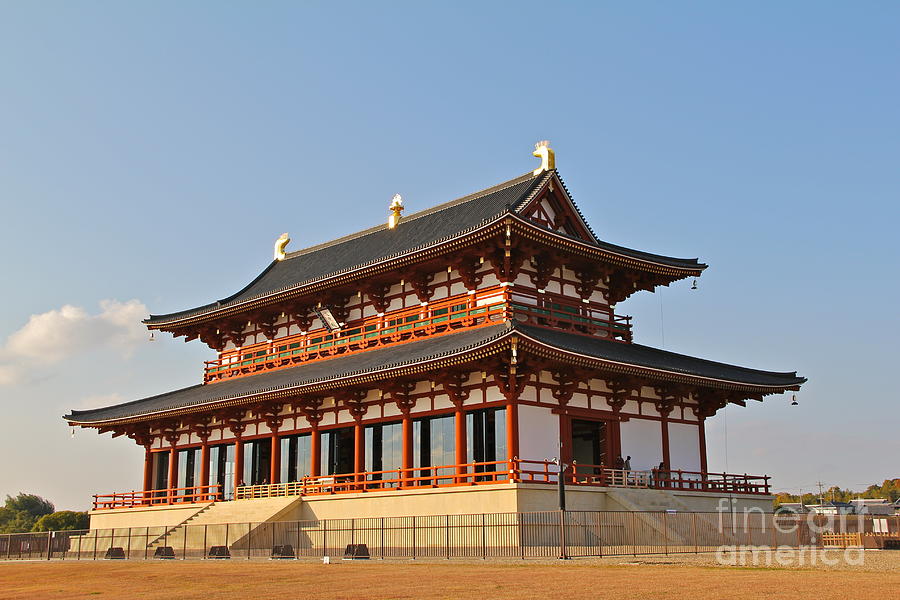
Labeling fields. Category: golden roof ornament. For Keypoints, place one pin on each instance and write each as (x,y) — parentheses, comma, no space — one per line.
(548,159)
(396,208)
(282,241)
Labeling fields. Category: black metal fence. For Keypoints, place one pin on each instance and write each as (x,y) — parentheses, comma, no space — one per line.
(551,534)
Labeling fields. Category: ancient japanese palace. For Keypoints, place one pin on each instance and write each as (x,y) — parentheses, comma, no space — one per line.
(436,364)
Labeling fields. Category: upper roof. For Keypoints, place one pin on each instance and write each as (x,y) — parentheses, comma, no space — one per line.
(415,232)
(431,353)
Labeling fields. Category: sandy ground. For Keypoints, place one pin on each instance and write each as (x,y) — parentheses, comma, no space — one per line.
(699,577)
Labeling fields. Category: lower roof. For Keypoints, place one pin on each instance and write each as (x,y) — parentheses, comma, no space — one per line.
(430,353)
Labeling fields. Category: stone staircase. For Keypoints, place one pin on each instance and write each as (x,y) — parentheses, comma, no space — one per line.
(242,517)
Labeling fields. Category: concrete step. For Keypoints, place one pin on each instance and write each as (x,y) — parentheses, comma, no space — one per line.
(245,515)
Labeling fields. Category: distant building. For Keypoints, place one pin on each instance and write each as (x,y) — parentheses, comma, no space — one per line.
(793,507)
(832,508)
(872,506)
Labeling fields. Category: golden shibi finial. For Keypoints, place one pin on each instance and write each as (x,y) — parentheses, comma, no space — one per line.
(282,241)
(548,159)
(396,208)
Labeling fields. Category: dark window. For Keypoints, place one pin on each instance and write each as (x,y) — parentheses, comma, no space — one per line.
(486,436)
(296,460)
(221,469)
(256,461)
(160,470)
(337,451)
(434,444)
(384,449)
(188,468)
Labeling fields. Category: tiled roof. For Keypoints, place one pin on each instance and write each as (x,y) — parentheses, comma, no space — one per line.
(652,362)
(416,231)
(661,360)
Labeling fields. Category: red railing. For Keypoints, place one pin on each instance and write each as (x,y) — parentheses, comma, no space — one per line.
(599,475)
(531,307)
(727,483)
(474,473)
(486,307)
(185,495)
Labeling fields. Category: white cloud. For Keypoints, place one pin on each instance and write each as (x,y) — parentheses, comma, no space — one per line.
(62,333)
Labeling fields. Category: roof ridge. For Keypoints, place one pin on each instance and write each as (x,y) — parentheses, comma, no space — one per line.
(416,215)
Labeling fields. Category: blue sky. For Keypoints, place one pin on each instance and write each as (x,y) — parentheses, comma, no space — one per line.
(152,152)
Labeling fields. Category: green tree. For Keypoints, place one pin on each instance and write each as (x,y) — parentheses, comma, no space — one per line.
(21,513)
(62,520)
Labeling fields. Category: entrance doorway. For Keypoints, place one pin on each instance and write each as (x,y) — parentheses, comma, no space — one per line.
(590,443)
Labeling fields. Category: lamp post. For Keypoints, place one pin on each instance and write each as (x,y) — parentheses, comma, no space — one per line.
(561,487)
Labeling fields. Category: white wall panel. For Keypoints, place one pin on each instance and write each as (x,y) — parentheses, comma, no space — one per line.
(684,446)
(642,440)
(538,433)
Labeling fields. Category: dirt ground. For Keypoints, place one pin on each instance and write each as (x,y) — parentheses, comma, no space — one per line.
(822,576)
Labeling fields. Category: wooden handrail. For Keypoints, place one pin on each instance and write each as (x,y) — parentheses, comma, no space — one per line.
(467,474)
(447,315)
(199,493)
(487,306)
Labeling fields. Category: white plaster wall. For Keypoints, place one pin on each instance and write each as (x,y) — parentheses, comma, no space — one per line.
(684,446)
(579,400)
(642,439)
(538,433)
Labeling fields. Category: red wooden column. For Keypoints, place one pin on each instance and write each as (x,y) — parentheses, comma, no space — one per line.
(701,429)
(272,416)
(204,463)
(453,385)
(664,426)
(359,448)
(664,406)
(512,428)
(311,409)
(511,384)
(400,394)
(275,458)
(407,430)
(459,419)
(237,429)
(315,443)
(148,468)
(238,461)
(173,469)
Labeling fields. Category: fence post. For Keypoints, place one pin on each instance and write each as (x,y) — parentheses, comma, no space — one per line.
(694,532)
(128,545)
(483,539)
(352,531)
(447,534)
(205,540)
(96,535)
(414,537)
(599,534)
(563,549)
(184,543)
(633,535)
(324,538)
(9,546)
(382,538)
(146,543)
(666,532)
(249,526)
(49,544)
